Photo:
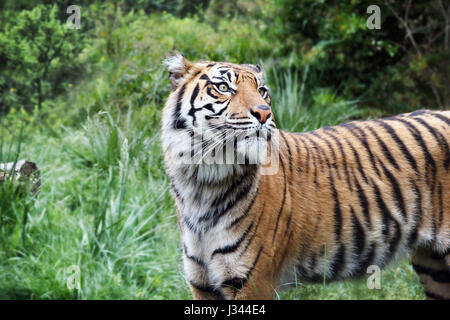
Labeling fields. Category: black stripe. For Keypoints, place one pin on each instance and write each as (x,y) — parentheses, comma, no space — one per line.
(333,153)
(297,149)
(362,137)
(208,91)
(399,142)
(193,258)
(385,214)
(289,154)
(288,224)
(237,118)
(412,237)
(439,255)
(238,183)
(221,110)
(235,221)
(337,209)
(397,191)
(338,261)
(239,122)
(358,161)
(315,165)
(241,193)
(441,206)
(297,136)
(343,155)
(368,259)
(188,223)
(440,140)
(208,289)
(306,248)
(205,77)
(319,150)
(385,149)
(313,157)
(178,122)
(238,283)
(219,212)
(177,193)
(193,110)
(419,112)
(441,117)
(194,94)
(418,137)
(436,275)
(359,236)
(233,247)
(387,217)
(312,262)
(282,201)
(429,161)
(255,232)
(363,202)
(208,106)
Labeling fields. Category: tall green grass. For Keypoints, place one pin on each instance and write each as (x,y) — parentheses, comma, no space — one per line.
(299,110)
(14,205)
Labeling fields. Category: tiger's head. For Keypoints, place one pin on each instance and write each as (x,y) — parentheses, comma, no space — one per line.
(216,112)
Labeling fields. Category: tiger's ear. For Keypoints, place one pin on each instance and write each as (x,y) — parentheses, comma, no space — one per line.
(178,66)
(254,67)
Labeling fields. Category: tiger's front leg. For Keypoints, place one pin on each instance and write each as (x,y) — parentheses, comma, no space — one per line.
(252,289)
(256,287)
(206,293)
(197,274)
(258,283)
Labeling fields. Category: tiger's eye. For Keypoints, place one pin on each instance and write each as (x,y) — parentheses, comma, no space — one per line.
(223,87)
(262,91)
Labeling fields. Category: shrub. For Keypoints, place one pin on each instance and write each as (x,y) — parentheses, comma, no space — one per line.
(38,55)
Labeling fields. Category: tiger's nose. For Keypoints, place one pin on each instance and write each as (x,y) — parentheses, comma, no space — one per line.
(261,113)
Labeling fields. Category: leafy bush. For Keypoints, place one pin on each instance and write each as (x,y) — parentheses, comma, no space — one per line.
(38,56)
(403,66)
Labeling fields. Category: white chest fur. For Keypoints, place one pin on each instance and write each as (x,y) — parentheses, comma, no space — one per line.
(213,251)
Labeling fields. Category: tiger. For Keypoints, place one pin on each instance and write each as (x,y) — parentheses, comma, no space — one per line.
(338,200)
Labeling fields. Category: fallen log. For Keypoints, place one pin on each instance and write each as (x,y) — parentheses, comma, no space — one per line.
(22,171)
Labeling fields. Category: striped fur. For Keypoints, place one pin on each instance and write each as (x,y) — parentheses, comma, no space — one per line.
(343,198)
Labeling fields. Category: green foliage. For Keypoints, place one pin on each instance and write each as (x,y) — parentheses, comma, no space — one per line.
(332,40)
(39,58)
(14,203)
(297,110)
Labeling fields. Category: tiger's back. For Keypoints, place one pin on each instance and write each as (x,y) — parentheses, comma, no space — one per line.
(367,192)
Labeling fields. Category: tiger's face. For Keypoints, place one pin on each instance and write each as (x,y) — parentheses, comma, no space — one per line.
(217,112)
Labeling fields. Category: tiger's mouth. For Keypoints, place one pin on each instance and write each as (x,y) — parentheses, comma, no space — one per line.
(231,144)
